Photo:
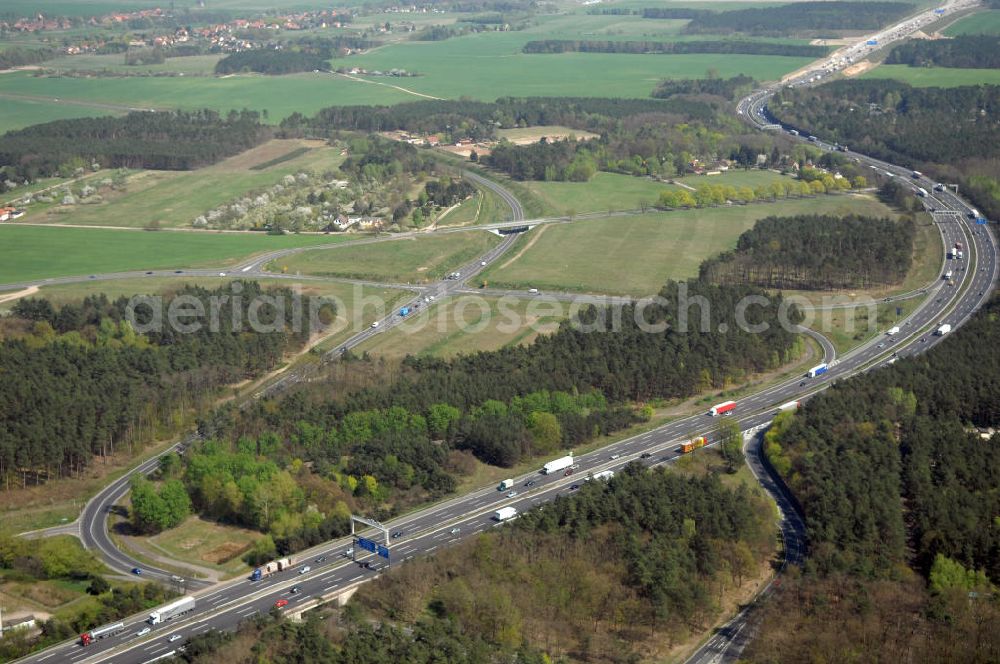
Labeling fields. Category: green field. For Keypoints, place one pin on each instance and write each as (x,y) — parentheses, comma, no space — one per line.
(411,260)
(468,324)
(279,95)
(944,77)
(19,113)
(483,208)
(611,191)
(604,192)
(173,199)
(189,65)
(982,23)
(488,65)
(636,255)
(37,252)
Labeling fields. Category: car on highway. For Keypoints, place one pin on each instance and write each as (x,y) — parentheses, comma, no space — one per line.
(568,472)
(92,277)
(178,271)
(511,494)
(530,483)
(483,263)
(144,631)
(321,559)
(645,455)
(349,552)
(615,456)
(305,569)
(397,534)
(281,603)
(455,531)
(174,637)
(295,590)
(150,272)
(222,274)
(137,571)
(574,487)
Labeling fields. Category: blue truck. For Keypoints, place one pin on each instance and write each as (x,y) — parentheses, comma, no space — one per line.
(405,311)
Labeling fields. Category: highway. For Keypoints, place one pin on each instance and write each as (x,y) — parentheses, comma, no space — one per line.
(225,605)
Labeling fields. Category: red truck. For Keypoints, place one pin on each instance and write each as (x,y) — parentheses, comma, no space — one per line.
(722,408)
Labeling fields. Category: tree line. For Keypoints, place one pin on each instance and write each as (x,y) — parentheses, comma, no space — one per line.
(799,17)
(82,383)
(480,120)
(947,133)
(677,48)
(727,88)
(19,57)
(817,252)
(962,51)
(176,140)
(270,61)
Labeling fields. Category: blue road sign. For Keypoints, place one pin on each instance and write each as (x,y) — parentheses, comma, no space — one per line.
(384,552)
(367,544)
(981,221)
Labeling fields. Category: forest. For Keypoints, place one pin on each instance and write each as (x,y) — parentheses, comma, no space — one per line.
(677,48)
(727,88)
(899,494)
(962,51)
(947,133)
(270,61)
(175,140)
(398,439)
(799,17)
(611,573)
(817,252)
(902,437)
(80,381)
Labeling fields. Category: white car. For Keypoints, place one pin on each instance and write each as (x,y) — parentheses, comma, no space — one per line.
(305,569)
(349,552)
(175,637)
(455,531)
(375,324)
(144,631)
(483,263)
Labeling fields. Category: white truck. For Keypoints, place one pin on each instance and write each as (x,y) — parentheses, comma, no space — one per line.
(892,330)
(943,330)
(506,484)
(973,213)
(603,475)
(172,610)
(947,275)
(557,465)
(505,514)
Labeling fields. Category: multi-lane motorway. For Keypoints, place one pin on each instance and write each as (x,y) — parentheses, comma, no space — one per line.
(225,605)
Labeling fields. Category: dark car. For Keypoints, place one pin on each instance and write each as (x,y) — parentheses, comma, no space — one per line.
(530,483)
(136,571)
(397,534)
(645,455)
(568,473)
(574,487)
(295,590)
(178,271)
(321,559)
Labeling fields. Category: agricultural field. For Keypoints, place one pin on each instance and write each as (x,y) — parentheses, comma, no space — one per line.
(280,96)
(194,65)
(635,255)
(173,199)
(26,252)
(415,260)
(528,135)
(981,23)
(468,324)
(19,113)
(943,77)
(612,191)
